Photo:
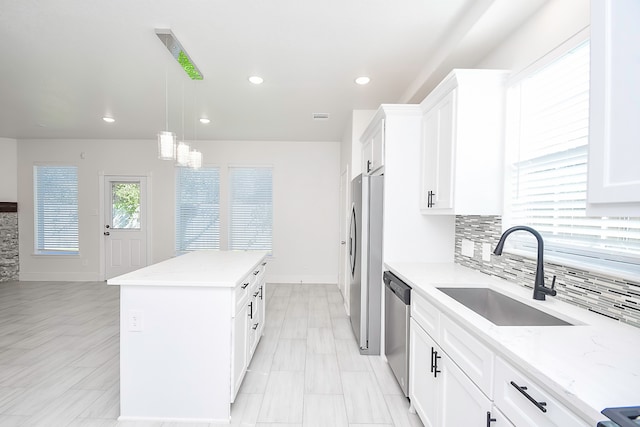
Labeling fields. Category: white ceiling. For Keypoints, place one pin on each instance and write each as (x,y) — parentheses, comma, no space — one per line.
(65,64)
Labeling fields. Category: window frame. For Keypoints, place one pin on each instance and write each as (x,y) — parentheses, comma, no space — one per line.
(524,245)
(229,226)
(43,252)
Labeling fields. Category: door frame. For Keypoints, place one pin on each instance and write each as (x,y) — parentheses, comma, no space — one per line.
(345,219)
(102,179)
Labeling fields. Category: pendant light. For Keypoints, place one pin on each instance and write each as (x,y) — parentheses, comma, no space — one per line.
(166,139)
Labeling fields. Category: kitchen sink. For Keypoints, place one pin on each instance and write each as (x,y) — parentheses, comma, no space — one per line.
(501,309)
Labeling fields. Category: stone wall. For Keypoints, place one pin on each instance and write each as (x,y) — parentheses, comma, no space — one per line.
(9,261)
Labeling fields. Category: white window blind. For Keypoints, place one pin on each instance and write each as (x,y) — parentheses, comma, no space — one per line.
(547,137)
(197,209)
(251,208)
(56,210)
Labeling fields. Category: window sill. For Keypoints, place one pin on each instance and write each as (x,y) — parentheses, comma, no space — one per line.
(56,254)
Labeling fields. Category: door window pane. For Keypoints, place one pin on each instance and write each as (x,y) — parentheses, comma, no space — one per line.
(125,205)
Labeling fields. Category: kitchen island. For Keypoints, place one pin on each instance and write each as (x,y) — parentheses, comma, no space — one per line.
(188,329)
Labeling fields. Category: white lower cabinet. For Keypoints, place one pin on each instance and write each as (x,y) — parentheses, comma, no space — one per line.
(248,324)
(455,380)
(527,404)
(440,392)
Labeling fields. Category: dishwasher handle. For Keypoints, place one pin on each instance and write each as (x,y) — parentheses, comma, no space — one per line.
(397,286)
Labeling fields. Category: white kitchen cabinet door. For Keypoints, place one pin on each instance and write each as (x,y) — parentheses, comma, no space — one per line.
(437,160)
(373,148)
(239,356)
(614,128)
(423,385)
(463,144)
(462,403)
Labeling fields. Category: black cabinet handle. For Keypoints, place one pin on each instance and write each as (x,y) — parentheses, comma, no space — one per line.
(255,294)
(430,195)
(251,310)
(368,166)
(521,389)
(436,371)
(244,285)
(255,273)
(264,263)
(489,419)
(260,292)
(432,362)
(255,326)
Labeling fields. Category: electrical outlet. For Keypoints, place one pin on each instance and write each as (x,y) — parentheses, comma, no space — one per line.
(486,252)
(467,248)
(135,320)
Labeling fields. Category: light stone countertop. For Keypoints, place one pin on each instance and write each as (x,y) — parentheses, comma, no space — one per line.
(207,268)
(590,366)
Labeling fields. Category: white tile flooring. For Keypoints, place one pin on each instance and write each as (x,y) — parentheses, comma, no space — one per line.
(59,365)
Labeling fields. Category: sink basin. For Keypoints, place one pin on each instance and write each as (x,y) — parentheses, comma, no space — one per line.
(500,309)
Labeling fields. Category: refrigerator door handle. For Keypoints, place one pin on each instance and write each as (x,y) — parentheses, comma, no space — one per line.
(352,240)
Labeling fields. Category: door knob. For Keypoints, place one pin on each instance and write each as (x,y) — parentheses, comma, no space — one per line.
(343,242)
(106,233)
(107,226)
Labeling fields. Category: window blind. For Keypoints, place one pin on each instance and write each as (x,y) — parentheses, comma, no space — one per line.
(197,209)
(56,210)
(548,137)
(251,208)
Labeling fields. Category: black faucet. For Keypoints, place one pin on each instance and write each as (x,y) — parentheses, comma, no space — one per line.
(540,291)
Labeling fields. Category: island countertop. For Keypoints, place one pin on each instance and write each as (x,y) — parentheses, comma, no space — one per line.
(200,268)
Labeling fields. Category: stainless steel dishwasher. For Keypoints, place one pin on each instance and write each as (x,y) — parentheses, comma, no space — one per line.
(396,333)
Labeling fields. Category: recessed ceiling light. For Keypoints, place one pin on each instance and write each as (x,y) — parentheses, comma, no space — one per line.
(363,80)
(256,80)
(205,121)
(108,119)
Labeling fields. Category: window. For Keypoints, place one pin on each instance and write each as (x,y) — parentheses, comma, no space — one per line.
(197,209)
(56,210)
(547,137)
(251,208)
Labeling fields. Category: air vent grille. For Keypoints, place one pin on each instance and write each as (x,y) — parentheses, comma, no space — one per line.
(320,116)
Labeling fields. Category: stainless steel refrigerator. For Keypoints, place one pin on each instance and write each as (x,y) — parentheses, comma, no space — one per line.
(365,251)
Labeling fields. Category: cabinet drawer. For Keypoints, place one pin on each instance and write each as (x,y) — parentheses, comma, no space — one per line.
(473,357)
(242,291)
(520,409)
(425,314)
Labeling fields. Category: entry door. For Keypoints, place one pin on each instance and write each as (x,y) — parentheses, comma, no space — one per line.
(125,228)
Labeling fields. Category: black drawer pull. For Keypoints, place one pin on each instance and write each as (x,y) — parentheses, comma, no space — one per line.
(489,419)
(244,285)
(251,309)
(255,273)
(539,405)
(255,294)
(255,326)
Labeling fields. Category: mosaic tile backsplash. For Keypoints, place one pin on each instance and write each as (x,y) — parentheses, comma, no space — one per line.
(618,299)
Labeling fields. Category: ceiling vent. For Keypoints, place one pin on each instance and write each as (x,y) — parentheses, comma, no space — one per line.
(320,116)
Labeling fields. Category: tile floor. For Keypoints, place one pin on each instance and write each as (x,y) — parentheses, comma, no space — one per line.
(59,363)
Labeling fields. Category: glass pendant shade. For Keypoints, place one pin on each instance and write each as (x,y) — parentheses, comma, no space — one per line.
(182,154)
(195,159)
(166,145)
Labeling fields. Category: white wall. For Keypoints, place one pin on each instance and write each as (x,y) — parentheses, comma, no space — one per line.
(8,170)
(554,23)
(305,235)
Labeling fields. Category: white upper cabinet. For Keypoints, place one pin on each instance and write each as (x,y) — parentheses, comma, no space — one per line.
(373,147)
(614,132)
(463,143)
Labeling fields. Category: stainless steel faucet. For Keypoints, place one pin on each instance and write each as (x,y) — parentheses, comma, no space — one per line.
(540,291)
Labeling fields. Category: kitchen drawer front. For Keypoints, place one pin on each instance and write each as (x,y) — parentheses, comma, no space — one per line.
(520,410)
(242,292)
(473,357)
(426,314)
